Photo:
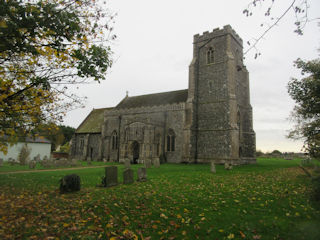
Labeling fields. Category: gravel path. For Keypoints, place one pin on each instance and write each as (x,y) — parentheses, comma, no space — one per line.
(52,170)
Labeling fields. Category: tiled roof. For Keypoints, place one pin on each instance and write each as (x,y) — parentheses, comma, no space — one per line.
(154,99)
(39,139)
(93,122)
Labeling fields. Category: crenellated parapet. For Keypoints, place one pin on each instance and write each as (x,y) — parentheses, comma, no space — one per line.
(217,32)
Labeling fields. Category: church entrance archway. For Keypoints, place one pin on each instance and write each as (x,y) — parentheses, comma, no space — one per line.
(135,151)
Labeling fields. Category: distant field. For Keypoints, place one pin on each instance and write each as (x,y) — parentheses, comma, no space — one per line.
(269,200)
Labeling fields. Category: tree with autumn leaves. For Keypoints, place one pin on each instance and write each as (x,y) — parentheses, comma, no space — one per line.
(46,45)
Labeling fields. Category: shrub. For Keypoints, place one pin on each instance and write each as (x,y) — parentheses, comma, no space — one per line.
(24,154)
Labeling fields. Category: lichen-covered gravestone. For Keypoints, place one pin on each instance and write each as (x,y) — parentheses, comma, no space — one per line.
(147,163)
(213,167)
(142,174)
(128,176)
(156,162)
(127,163)
(111,176)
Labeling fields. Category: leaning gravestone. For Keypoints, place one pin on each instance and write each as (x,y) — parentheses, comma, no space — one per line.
(156,162)
(128,176)
(142,174)
(213,167)
(1,162)
(111,176)
(147,163)
(127,163)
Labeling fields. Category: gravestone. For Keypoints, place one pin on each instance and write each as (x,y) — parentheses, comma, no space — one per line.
(32,164)
(128,176)
(142,174)
(37,158)
(227,166)
(111,176)
(1,162)
(70,183)
(12,161)
(156,162)
(127,163)
(147,163)
(213,167)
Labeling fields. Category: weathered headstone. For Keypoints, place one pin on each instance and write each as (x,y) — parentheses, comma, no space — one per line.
(12,161)
(147,163)
(156,162)
(128,176)
(32,164)
(1,162)
(213,167)
(142,174)
(227,166)
(37,158)
(111,176)
(127,163)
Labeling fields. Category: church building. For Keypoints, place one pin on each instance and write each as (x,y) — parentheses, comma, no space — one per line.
(209,121)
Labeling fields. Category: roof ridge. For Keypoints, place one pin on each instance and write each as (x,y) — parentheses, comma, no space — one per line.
(158,93)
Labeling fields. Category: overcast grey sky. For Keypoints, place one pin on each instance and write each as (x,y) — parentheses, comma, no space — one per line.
(154,49)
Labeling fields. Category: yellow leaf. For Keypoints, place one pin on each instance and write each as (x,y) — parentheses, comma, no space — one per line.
(3,24)
(231,236)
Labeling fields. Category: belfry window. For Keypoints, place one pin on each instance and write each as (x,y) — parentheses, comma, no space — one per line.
(210,56)
(171,138)
(114,140)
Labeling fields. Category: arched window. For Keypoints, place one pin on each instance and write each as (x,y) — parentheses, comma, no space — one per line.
(210,55)
(171,139)
(114,140)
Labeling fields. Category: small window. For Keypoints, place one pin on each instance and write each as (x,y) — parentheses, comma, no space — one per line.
(210,56)
(210,86)
(114,140)
(81,143)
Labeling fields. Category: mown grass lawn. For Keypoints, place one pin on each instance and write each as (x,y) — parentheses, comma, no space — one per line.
(269,200)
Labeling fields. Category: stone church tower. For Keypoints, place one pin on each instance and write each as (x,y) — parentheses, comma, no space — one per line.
(218,109)
(209,121)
